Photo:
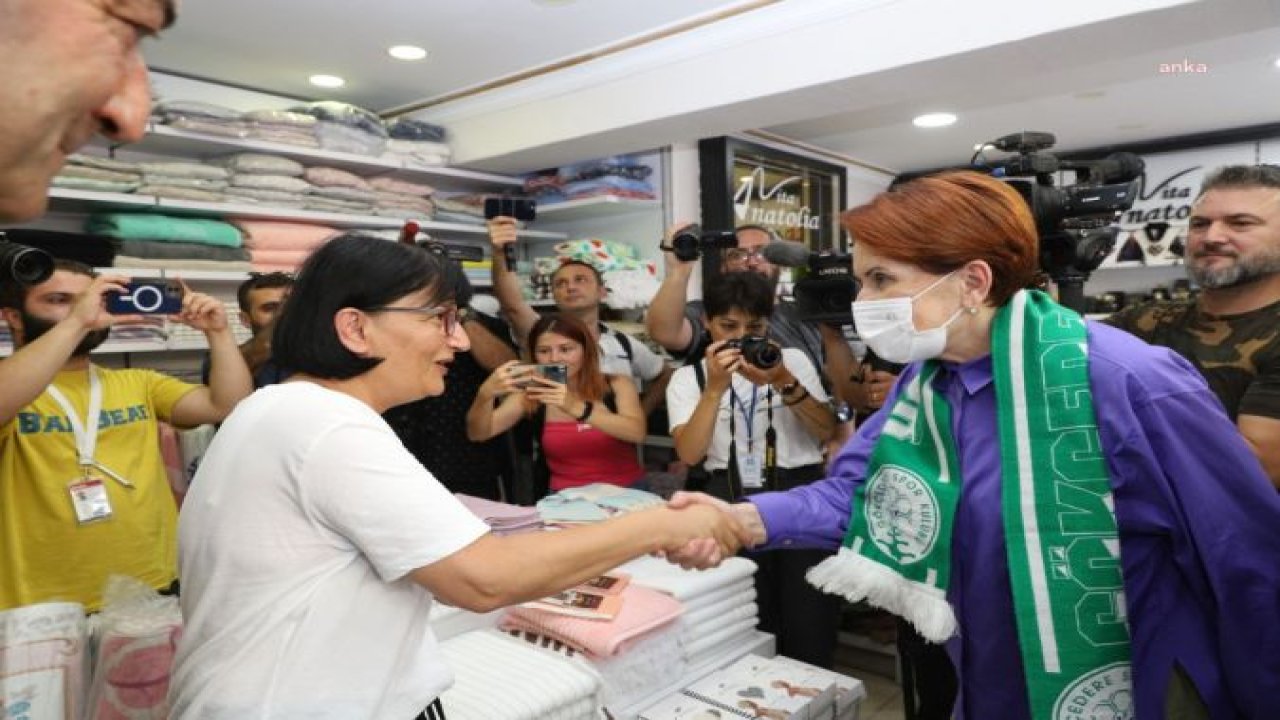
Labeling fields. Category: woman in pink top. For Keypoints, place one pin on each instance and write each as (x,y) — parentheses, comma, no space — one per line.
(587,428)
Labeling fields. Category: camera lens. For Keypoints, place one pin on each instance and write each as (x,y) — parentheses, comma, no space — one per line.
(761,353)
(25,265)
(685,246)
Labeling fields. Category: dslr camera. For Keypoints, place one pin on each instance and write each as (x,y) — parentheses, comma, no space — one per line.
(758,351)
(690,242)
(23,264)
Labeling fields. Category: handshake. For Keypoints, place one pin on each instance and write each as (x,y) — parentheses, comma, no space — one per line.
(707,530)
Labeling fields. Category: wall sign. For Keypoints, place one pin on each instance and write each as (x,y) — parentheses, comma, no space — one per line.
(798,198)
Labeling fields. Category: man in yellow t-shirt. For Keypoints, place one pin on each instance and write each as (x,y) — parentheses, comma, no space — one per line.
(83,490)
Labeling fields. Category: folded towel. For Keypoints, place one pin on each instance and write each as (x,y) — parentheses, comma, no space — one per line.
(643,610)
(103,163)
(696,650)
(401,187)
(174,192)
(259,164)
(281,117)
(534,684)
(327,177)
(164,228)
(684,584)
(721,594)
(278,235)
(345,207)
(207,184)
(344,192)
(78,183)
(279,257)
(93,173)
(282,183)
(125,261)
(500,516)
(185,169)
(738,606)
(278,198)
(181,251)
(305,139)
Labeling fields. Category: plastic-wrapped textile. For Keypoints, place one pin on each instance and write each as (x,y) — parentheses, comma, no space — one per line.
(43,662)
(137,638)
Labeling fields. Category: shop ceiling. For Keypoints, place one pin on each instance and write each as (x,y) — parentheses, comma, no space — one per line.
(531,83)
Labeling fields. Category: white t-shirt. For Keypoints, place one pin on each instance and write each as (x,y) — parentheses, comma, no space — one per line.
(644,364)
(796,446)
(294,544)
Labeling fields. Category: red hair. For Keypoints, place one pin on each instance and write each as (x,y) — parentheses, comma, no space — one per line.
(940,222)
(591,384)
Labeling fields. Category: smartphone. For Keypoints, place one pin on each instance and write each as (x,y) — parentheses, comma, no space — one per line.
(154,297)
(518,208)
(555,372)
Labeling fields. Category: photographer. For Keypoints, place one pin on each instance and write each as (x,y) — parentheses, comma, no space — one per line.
(586,426)
(579,290)
(759,428)
(83,489)
(676,323)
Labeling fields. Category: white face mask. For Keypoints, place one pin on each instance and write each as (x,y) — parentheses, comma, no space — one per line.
(887,327)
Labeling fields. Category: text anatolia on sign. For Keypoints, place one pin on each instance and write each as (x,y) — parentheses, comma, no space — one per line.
(775,208)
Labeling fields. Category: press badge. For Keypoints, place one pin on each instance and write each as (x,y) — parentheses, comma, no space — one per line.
(751,470)
(89,498)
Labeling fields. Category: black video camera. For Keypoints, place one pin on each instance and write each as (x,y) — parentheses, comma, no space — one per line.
(1076,223)
(689,242)
(825,292)
(23,264)
(824,289)
(758,351)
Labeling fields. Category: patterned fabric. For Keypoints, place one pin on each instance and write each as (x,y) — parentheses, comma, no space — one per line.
(1239,355)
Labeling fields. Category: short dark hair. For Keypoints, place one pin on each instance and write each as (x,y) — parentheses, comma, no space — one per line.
(750,292)
(261,281)
(580,263)
(1241,177)
(353,270)
(14,295)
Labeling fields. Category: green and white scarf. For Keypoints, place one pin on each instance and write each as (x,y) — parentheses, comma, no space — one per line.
(1059,521)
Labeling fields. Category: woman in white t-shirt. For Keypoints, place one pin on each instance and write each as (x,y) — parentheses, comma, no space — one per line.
(312,543)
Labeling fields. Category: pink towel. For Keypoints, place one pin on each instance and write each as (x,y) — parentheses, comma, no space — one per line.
(643,610)
(276,235)
(279,257)
(132,678)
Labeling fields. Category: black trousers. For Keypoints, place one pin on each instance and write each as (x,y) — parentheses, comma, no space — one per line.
(929,682)
(804,620)
(434,711)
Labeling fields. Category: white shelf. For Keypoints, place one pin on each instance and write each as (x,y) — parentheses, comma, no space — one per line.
(85,201)
(596,207)
(165,140)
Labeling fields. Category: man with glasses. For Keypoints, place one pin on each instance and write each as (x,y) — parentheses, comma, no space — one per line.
(1231,329)
(578,290)
(676,323)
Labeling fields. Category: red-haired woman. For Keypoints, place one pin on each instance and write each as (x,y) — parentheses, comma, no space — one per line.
(587,429)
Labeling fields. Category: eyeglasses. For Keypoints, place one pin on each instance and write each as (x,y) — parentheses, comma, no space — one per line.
(742,255)
(450,316)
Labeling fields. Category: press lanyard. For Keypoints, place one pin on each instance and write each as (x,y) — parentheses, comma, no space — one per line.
(770,439)
(86,432)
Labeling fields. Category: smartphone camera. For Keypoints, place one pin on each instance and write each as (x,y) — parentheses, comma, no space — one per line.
(162,297)
(519,208)
(555,372)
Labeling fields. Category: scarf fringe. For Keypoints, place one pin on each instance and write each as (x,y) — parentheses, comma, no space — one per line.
(856,578)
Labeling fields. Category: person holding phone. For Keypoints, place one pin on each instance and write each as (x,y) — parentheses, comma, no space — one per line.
(83,489)
(586,427)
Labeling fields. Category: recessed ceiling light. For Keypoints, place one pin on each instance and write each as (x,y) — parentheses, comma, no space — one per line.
(934,120)
(554,3)
(1278,62)
(327,81)
(407,52)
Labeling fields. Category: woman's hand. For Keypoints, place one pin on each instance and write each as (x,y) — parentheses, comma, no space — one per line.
(721,365)
(505,379)
(553,394)
(876,385)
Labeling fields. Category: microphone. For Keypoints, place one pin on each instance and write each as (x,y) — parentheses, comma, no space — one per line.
(1119,167)
(787,254)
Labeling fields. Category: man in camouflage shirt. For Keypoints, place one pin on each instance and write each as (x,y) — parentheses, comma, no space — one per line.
(1231,331)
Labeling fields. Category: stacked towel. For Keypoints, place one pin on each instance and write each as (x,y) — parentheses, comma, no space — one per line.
(282,126)
(136,641)
(87,172)
(499,676)
(643,611)
(201,117)
(502,518)
(464,209)
(418,152)
(184,181)
(593,503)
(403,206)
(720,609)
(342,127)
(281,246)
(164,228)
(44,661)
